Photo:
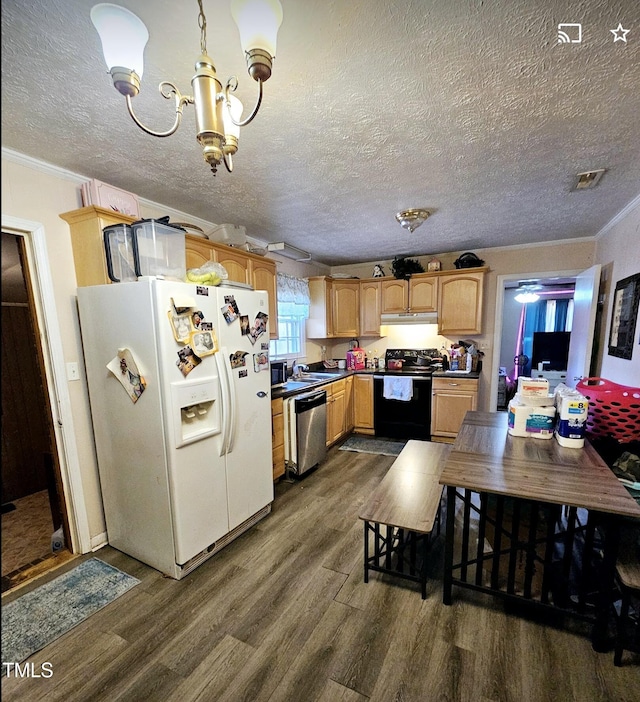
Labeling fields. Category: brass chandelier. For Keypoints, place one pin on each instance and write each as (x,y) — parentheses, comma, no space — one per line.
(218,112)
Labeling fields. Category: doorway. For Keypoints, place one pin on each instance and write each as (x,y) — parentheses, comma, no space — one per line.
(585,320)
(34,526)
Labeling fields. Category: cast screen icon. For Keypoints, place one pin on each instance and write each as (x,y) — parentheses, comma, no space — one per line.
(569,33)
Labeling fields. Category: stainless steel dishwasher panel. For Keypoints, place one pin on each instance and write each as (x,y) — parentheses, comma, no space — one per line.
(310,416)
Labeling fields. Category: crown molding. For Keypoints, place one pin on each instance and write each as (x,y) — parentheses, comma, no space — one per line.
(56,171)
(619,217)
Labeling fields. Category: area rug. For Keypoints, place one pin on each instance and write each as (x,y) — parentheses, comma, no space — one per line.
(44,614)
(367,444)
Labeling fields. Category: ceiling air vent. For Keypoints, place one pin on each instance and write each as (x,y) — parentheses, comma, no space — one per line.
(588,179)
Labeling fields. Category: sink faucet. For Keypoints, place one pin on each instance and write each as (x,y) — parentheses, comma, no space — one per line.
(298,369)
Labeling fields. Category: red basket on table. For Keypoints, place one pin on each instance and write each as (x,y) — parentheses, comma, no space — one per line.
(614,410)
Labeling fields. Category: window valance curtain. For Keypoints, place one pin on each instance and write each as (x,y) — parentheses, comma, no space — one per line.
(293,296)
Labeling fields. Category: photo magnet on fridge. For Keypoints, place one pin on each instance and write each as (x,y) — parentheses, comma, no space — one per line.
(260,361)
(187,360)
(125,369)
(202,290)
(229,313)
(238,359)
(204,342)
(243,373)
(231,301)
(180,325)
(197,318)
(244,324)
(259,327)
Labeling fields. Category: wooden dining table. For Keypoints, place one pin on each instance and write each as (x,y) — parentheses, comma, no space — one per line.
(532,521)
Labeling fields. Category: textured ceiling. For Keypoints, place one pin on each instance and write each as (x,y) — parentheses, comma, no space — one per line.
(470,108)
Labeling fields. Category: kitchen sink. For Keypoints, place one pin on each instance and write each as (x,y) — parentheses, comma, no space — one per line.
(297,384)
(314,376)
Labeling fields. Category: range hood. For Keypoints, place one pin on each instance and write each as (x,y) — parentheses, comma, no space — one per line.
(409,318)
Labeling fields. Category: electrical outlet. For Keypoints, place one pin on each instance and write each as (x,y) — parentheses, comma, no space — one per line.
(73,372)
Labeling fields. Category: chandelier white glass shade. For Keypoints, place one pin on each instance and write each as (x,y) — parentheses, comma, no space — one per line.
(412,219)
(218,112)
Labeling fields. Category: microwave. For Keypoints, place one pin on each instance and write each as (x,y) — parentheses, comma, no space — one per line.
(278,373)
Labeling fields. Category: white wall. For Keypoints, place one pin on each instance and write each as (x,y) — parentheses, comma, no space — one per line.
(618,252)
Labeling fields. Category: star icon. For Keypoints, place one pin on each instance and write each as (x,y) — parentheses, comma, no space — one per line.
(619,34)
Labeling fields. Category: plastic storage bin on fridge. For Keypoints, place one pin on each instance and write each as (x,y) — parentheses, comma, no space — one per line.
(119,252)
(159,249)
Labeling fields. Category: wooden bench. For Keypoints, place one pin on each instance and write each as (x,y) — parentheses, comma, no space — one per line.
(402,512)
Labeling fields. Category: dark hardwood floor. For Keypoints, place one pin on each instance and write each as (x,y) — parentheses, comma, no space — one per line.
(283,614)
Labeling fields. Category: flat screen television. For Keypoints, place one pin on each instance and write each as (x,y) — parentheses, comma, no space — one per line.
(552,347)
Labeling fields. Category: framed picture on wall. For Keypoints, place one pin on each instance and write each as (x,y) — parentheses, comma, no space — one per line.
(624,316)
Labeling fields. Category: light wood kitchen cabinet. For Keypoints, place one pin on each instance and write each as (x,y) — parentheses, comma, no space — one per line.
(363,404)
(241,266)
(418,294)
(277,437)
(198,252)
(262,272)
(348,404)
(235,262)
(320,322)
(395,296)
(423,293)
(452,398)
(460,302)
(334,310)
(370,301)
(346,308)
(87,242)
(336,410)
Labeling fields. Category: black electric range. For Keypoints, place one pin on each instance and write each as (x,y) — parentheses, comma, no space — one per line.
(403,411)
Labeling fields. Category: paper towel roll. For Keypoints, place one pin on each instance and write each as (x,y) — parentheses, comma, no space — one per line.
(541,421)
(517,418)
(535,422)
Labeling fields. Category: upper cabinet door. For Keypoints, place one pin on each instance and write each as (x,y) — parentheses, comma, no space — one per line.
(370,293)
(236,263)
(263,277)
(423,294)
(198,252)
(460,303)
(346,308)
(395,296)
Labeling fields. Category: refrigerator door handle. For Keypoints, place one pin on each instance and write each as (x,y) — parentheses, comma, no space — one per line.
(229,409)
(233,408)
(226,398)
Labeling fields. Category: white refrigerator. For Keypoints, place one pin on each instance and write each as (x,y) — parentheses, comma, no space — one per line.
(179,386)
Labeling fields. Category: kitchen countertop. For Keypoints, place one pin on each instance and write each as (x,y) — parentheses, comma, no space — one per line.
(294,387)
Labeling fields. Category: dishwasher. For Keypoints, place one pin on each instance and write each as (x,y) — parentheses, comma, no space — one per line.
(305,428)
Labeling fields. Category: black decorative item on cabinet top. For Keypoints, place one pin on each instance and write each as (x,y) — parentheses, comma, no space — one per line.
(468,260)
(404,268)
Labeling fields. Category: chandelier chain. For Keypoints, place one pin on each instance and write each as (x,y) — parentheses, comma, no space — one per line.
(202,23)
